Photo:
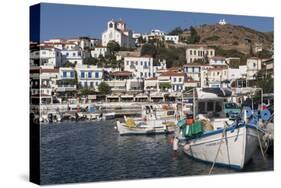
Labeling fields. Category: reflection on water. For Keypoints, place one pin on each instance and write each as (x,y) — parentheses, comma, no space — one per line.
(94,151)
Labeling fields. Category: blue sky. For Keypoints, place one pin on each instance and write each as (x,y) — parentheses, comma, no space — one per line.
(63,21)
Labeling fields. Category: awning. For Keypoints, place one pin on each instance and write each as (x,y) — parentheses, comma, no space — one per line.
(151,84)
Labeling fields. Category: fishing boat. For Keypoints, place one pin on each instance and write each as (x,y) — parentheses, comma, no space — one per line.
(155,120)
(219,140)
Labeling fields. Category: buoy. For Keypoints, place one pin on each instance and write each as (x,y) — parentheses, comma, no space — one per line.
(175,144)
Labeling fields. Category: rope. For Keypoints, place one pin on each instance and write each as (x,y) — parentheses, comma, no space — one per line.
(260,144)
(223,133)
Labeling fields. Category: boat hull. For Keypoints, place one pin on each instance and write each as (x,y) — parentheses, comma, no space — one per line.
(124,130)
(236,148)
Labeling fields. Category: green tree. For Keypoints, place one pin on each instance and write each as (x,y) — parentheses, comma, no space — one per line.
(164,86)
(267,84)
(104,88)
(264,54)
(113,47)
(90,61)
(148,49)
(176,31)
(194,37)
(68,64)
(87,91)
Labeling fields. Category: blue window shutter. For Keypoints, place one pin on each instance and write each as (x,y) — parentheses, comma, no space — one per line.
(64,74)
(97,74)
(90,74)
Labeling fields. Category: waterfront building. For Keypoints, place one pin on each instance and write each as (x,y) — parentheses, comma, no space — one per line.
(171,81)
(151,85)
(66,83)
(197,52)
(117,31)
(89,76)
(119,81)
(43,85)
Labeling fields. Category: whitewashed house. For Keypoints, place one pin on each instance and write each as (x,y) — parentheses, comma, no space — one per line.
(217,61)
(99,51)
(72,55)
(117,31)
(89,76)
(234,74)
(254,65)
(175,79)
(43,85)
(142,66)
(172,38)
(46,56)
(151,85)
(193,71)
(198,52)
(66,80)
(213,76)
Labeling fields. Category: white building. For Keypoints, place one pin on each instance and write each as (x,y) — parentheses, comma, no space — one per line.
(74,56)
(89,76)
(222,22)
(43,85)
(117,31)
(172,38)
(46,56)
(253,66)
(217,61)
(66,80)
(175,79)
(213,76)
(198,52)
(99,51)
(142,66)
(234,74)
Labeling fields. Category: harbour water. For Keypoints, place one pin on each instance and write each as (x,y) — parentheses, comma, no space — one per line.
(93,151)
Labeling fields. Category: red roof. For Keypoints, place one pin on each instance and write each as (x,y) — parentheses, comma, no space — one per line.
(171,73)
(151,78)
(218,58)
(121,73)
(40,70)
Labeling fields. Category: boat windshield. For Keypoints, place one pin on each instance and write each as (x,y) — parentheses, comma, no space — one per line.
(230,106)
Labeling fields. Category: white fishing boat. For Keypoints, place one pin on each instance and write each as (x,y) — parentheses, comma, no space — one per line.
(219,140)
(108,115)
(154,120)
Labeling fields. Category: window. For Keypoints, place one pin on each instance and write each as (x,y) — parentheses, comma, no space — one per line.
(127,63)
(211,53)
(194,52)
(201,108)
(89,74)
(91,84)
(67,54)
(64,74)
(175,79)
(210,106)
(254,65)
(218,107)
(96,74)
(73,54)
(79,53)
(141,63)
(145,74)
(180,79)
(136,63)
(71,74)
(190,52)
(82,74)
(145,64)
(110,25)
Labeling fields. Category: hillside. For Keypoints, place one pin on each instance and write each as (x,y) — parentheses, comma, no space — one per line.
(233,37)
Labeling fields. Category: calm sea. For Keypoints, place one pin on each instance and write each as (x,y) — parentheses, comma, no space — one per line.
(93,151)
